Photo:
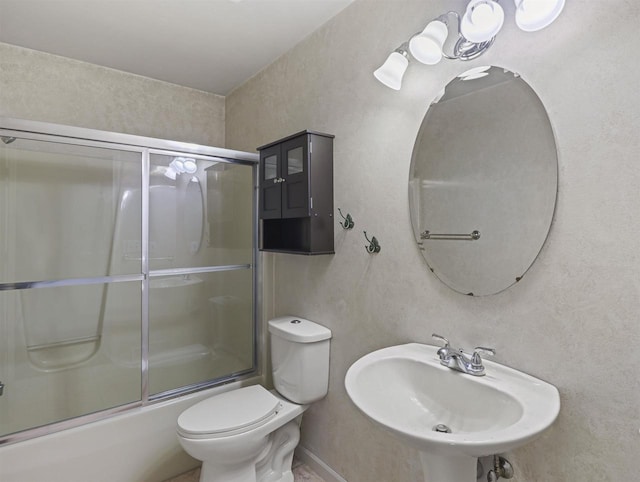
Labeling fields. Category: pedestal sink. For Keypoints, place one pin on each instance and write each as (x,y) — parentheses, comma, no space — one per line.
(405,390)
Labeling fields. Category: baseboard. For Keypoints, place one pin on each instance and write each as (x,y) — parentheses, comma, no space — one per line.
(318,465)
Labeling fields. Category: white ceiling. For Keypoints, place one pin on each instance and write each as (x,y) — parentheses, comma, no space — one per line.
(211,45)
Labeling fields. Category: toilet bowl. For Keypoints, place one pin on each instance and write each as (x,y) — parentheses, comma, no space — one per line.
(249,434)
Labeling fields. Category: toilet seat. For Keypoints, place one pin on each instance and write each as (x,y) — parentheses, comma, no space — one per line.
(229,413)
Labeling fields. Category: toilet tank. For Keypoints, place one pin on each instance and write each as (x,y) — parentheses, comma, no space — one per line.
(300,358)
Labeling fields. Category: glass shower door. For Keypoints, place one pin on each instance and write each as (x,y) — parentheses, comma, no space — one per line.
(201,270)
(127,274)
(70,282)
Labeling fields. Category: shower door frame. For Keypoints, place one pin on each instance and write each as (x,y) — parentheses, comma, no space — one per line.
(145,146)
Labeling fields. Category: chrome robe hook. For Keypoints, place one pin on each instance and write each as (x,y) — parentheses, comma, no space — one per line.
(348,221)
(374,246)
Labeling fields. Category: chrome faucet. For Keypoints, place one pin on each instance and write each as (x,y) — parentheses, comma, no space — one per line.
(457,359)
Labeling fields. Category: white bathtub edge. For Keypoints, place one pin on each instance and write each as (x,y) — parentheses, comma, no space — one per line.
(139,445)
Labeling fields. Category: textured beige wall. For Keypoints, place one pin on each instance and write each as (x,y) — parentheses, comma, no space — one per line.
(49,88)
(574,320)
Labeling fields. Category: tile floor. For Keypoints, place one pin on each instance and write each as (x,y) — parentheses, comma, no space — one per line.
(301,473)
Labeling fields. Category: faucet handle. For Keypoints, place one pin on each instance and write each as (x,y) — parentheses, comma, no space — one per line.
(441,338)
(482,349)
(476,361)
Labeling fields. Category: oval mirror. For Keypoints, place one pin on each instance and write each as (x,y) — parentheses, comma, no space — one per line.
(483,181)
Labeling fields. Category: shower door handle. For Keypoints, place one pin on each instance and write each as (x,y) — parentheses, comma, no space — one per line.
(1,388)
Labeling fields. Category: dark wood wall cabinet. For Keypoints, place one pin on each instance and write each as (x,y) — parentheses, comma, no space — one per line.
(296,194)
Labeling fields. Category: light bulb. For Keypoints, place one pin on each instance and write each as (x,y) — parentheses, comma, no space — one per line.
(190,166)
(482,15)
(481,21)
(532,15)
(392,71)
(177,164)
(426,47)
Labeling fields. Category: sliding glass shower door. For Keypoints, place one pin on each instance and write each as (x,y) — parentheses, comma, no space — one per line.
(200,255)
(59,204)
(126,275)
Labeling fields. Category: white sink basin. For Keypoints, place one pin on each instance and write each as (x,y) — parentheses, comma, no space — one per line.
(408,392)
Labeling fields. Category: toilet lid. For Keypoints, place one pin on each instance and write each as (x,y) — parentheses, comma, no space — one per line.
(231,411)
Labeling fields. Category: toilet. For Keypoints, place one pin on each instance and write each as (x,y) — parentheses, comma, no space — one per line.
(249,434)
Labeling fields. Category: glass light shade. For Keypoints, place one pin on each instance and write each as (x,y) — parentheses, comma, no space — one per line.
(482,20)
(532,15)
(190,166)
(426,47)
(392,71)
(177,164)
(170,173)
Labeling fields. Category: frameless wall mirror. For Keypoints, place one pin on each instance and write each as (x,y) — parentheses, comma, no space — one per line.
(483,181)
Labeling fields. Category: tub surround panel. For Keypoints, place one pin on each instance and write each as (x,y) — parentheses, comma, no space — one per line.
(49,88)
(579,301)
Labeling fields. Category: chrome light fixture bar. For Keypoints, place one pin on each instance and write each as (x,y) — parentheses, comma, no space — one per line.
(476,30)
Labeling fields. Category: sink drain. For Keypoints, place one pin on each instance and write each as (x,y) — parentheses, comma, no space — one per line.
(441,428)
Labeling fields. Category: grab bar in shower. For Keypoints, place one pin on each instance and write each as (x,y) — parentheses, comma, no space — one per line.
(474,236)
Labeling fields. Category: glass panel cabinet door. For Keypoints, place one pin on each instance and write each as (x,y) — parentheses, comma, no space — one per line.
(270,167)
(295,187)
(270,200)
(295,160)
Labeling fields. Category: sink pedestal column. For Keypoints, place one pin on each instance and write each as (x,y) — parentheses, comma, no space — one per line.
(444,468)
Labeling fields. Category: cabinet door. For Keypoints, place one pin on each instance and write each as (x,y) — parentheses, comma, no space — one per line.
(295,172)
(270,202)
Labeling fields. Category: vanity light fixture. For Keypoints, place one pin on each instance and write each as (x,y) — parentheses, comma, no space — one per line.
(476,30)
